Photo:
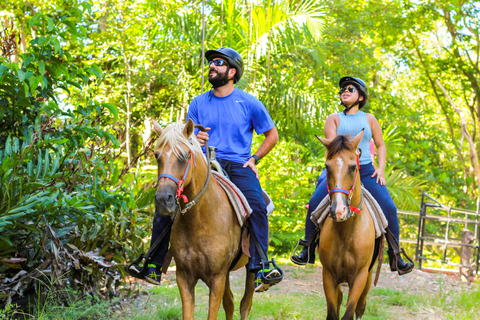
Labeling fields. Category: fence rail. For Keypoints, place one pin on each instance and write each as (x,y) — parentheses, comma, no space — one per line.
(423,239)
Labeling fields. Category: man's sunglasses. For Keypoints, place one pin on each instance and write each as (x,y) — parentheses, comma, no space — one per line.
(350,89)
(218,62)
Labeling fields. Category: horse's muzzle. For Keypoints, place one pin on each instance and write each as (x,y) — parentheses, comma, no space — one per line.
(165,202)
(339,209)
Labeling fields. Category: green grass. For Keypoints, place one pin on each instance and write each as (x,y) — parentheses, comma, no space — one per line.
(163,302)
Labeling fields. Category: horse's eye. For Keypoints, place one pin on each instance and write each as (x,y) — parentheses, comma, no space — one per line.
(327,166)
(352,167)
(184,157)
(156,154)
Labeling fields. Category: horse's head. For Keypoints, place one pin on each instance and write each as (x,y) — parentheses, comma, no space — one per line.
(342,173)
(177,152)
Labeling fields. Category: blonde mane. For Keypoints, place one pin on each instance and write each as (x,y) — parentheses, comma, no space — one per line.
(173,136)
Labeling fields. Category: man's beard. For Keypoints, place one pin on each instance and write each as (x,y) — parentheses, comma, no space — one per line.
(219,80)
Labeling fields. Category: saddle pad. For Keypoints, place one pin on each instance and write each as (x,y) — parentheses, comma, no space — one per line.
(379,220)
(237,199)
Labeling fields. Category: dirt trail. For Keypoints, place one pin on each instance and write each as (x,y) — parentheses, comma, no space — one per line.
(307,280)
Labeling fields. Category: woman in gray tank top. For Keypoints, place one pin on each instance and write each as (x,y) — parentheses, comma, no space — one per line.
(353,96)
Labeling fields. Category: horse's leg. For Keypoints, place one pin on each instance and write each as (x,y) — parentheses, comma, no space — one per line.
(331,288)
(356,290)
(228,304)
(217,290)
(362,302)
(247,299)
(186,286)
(339,300)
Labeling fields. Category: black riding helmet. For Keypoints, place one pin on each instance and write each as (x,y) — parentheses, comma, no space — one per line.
(360,85)
(231,56)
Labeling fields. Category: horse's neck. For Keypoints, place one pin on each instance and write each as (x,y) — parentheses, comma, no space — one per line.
(205,204)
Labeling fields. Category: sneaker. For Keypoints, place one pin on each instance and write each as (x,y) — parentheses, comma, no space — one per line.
(154,276)
(269,274)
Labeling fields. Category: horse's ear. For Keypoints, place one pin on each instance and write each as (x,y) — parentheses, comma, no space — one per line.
(324,141)
(188,130)
(357,139)
(158,128)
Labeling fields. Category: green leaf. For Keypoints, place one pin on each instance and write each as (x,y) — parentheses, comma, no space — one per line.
(73,83)
(113,110)
(56,45)
(26,90)
(7,240)
(60,141)
(97,68)
(3,71)
(34,20)
(41,67)
(39,164)
(47,163)
(21,75)
(49,24)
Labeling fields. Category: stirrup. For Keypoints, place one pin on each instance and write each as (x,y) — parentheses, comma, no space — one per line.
(303,243)
(271,281)
(135,270)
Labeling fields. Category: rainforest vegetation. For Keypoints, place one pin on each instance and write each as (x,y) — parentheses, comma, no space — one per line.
(82,80)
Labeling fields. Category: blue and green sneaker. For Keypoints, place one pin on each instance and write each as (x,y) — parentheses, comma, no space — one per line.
(154,275)
(269,274)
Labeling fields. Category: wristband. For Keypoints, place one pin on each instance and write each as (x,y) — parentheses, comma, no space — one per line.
(257,159)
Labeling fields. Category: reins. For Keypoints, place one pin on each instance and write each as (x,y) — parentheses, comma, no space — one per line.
(349,193)
(180,183)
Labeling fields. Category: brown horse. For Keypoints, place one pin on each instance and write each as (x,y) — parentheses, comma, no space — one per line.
(347,240)
(205,238)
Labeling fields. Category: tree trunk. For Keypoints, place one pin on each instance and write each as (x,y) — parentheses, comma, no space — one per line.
(473,149)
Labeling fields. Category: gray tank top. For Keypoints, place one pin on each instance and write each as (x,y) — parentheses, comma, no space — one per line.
(352,124)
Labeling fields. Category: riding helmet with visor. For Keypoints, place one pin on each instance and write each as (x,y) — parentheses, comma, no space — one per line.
(361,87)
(232,57)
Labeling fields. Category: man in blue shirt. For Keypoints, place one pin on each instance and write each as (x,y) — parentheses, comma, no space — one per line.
(230,115)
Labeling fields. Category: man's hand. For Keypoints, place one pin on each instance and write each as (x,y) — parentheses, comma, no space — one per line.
(251,163)
(202,137)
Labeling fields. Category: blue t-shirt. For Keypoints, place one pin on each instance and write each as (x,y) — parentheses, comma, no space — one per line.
(232,120)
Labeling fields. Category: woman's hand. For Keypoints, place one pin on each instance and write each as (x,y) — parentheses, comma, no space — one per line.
(380,173)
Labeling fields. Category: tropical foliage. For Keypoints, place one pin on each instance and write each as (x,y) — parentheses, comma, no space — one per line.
(80,81)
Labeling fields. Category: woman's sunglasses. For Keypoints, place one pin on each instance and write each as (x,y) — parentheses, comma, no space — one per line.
(350,89)
(218,62)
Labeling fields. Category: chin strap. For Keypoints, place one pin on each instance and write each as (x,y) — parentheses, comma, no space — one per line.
(348,108)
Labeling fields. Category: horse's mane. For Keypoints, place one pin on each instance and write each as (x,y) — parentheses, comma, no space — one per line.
(338,144)
(173,136)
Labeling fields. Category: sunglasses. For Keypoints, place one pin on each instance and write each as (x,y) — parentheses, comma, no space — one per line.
(350,89)
(217,62)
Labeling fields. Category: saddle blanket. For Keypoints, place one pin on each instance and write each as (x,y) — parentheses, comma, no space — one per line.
(238,200)
(380,222)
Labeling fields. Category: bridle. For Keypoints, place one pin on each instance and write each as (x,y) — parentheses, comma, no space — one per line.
(180,183)
(349,193)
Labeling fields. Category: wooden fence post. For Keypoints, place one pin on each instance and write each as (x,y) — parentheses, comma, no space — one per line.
(466,256)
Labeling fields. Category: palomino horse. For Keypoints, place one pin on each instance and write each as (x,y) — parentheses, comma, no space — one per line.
(205,237)
(347,240)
